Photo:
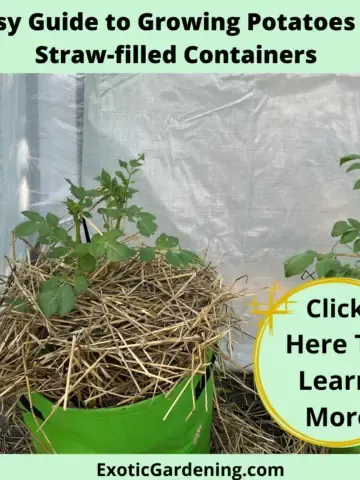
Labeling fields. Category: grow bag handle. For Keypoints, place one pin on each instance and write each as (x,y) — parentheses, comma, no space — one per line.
(204,378)
(86,230)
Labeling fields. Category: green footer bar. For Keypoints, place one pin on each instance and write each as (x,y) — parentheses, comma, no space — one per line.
(232,467)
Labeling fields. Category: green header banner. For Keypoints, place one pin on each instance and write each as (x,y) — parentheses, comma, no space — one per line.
(232,467)
(179,37)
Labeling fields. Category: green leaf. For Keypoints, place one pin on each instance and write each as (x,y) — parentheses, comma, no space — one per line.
(94,193)
(189,257)
(354,166)
(348,158)
(48,302)
(86,203)
(96,249)
(354,223)
(52,220)
(122,176)
(123,164)
(33,216)
(105,179)
(146,224)
(147,254)
(325,266)
(87,263)
(62,236)
(181,259)
(114,212)
(118,252)
(69,260)
(44,240)
(340,228)
(81,284)
(25,229)
(343,272)
(78,192)
(130,192)
(96,238)
(357,185)
(111,236)
(349,237)
(51,284)
(97,246)
(45,230)
(347,270)
(174,259)
(164,242)
(356,246)
(81,249)
(325,256)
(133,212)
(65,299)
(298,263)
(135,163)
(18,305)
(340,272)
(58,252)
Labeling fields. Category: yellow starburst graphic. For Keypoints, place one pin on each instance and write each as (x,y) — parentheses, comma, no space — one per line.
(270,310)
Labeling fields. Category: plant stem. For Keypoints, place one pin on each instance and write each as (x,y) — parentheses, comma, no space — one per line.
(123,200)
(77,230)
(117,226)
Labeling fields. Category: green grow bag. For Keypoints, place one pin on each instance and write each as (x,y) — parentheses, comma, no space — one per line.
(137,428)
(347,450)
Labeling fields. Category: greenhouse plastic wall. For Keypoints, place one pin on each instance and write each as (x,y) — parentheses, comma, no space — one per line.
(246,165)
(39,137)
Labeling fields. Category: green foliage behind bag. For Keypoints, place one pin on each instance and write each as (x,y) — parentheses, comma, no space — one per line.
(331,264)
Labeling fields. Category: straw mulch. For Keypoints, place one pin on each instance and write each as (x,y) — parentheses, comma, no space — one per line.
(242,425)
(137,331)
(14,438)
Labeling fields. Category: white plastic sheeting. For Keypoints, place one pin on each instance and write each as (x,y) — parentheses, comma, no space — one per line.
(13,185)
(38,146)
(246,165)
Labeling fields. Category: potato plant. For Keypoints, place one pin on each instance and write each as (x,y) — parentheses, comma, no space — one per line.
(347,232)
(112,199)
